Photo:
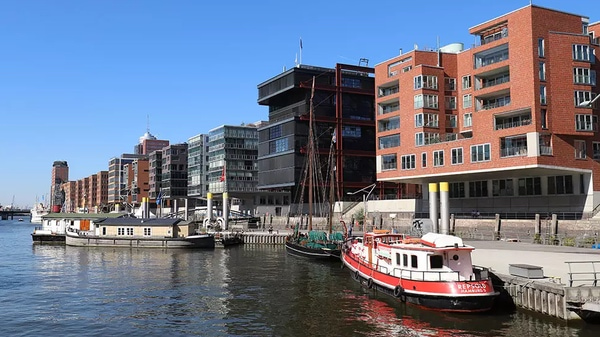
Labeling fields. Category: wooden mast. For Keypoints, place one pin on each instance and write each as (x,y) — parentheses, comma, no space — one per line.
(311,151)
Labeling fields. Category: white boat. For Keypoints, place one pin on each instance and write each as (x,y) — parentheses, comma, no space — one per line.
(139,233)
(37,212)
(54,225)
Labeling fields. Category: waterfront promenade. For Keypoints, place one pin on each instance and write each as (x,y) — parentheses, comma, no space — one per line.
(498,255)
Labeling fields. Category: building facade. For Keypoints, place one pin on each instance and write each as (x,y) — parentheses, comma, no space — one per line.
(343,105)
(197,166)
(174,175)
(506,123)
(60,175)
(148,144)
(117,183)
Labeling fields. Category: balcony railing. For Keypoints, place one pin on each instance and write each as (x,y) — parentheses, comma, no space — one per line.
(545,150)
(513,151)
(486,83)
(513,124)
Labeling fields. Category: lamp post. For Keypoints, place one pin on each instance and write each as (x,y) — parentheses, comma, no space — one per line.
(588,104)
(365,197)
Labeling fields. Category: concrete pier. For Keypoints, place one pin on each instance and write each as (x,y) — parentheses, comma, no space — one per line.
(567,290)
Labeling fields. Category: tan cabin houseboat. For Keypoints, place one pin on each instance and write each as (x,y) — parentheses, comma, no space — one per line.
(136,232)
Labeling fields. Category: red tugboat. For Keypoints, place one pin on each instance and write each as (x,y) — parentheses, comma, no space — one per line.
(434,272)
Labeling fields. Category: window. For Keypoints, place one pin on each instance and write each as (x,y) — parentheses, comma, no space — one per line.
(438,158)
(586,122)
(502,187)
(418,120)
(457,190)
(541,47)
(436,261)
(583,53)
(478,189)
(530,186)
(405,260)
(408,162)
(391,123)
(426,138)
(431,120)
(560,185)
(103,230)
(583,96)
(389,141)
(579,149)
(543,94)
(544,114)
(279,145)
(450,84)
(425,82)
(450,102)
(480,153)
(466,82)
(413,261)
(426,101)
(424,159)
(398,258)
(596,150)
(467,101)
(457,156)
(584,27)
(147,231)
(419,139)
(451,121)
(542,71)
(389,162)
(275,132)
(467,120)
(129,231)
(120,231)
(584,76)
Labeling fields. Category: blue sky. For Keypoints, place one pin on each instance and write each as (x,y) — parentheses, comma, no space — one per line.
(80,78)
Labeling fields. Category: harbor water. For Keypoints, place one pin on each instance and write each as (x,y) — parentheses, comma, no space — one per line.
(250,290)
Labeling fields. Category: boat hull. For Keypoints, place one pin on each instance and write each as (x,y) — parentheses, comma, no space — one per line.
(196,241)
(438,295)
(296,249)
(48,238)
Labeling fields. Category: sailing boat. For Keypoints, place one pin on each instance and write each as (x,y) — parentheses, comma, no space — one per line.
(316,244)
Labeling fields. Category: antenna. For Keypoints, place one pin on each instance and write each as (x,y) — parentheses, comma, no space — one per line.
(363,60)
(148,123)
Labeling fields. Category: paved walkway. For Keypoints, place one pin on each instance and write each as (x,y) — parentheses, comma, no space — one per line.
(497,255)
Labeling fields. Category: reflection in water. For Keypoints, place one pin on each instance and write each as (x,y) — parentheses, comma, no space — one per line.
(243,291)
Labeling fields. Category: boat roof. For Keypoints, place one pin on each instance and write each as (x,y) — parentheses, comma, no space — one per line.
(441,240)
(82,215)
(140,222)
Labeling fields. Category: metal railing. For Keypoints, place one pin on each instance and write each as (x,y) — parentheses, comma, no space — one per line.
(583,276)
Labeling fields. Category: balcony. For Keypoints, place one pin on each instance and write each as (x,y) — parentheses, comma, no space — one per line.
(518,151)
(388,108)
(485,103)
(513,121)
(491,56)
(545,150)
(515,146)
(492,78)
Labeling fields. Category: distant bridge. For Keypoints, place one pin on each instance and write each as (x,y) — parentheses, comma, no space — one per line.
(6,214)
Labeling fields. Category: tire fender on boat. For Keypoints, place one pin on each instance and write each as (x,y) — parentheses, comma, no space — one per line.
(356,275)
(370,283)
(398,291)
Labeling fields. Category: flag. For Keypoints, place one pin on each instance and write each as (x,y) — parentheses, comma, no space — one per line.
(159,198)
(300,43)
(223,174)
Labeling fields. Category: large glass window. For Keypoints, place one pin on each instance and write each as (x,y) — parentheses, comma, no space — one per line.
(457,156)
(457,190)
(584,76)
(467,101)
(586,122)
(530,186)
(391,123)
(502,187)
(466,82)
(389,162)
(478,189)
(408,162)
(480,153)
(425,82)
(580,149)
(389,141)
(560,185)
(583,53)
(438,158)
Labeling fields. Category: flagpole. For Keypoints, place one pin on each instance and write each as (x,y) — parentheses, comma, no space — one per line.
(300,50)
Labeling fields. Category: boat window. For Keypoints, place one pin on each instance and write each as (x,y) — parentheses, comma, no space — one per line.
(436,261)
(103,230)
(404,260)
(455,257)
(398,258)
(413,261)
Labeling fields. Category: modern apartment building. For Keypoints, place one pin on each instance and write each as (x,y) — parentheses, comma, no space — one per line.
(136,174)
(507,123)
(233,167)
(148,144)
(117,184)
(174,176)
(60,175)
(198,166)
(343,102)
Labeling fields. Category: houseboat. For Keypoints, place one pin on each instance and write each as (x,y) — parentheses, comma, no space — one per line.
(54,225)
(140,233)
(434,271)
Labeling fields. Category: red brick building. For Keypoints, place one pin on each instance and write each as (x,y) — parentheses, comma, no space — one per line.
(506,122)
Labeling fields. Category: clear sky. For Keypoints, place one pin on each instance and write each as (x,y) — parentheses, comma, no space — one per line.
(79,79)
